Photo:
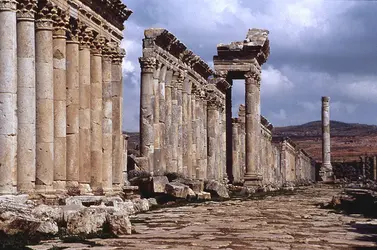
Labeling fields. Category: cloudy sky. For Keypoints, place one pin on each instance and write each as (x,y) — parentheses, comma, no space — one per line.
(318,47)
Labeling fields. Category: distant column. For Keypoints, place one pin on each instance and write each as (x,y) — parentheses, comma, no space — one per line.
(162,120)
(241,132)
(44,100)
(212,135)
(180,80)
(203,134)
(168,118)
(156,120)
(26,96)
(174,123)
(235,148)
(252,126)
(147,65)
(8,96)
(189,146)
(326,172)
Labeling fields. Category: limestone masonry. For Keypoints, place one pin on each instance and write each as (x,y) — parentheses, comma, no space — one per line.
(61,96)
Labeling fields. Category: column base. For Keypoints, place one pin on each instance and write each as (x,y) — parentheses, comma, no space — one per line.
(326,176)
(43,189)
(252,180)
(10,191)
(60,186)
(85,189)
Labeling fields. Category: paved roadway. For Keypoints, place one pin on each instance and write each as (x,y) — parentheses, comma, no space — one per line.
(276,222)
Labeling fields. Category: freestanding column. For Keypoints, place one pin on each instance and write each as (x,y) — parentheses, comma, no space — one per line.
(241,132)
(45,100)
(156,120)
(8,96)
(96,114)
(84,114)
(60,97)
(326,172)
(168,118)
(116,76)
(174,123)
(162,124)
(252,126)
(148,65)
(107,128)
(73,105)
(26,96)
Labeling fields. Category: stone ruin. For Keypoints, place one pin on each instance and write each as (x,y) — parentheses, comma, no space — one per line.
(186,124)
(61,96)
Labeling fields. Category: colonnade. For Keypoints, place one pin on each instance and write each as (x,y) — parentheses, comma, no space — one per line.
(60,102)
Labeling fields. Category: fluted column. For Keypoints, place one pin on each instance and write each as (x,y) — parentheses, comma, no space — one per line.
(179,119)
(84,113)
(156,120)
(60,97)
(168,119)
(326,172)
(72,108)
(252,126)
(8,96)
(162,120)
(147,65)
(107,128)
(96,114)
(26,96)
(116,76)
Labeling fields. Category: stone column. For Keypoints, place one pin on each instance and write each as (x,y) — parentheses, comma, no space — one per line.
(185,118)
(125,153)
(84,113)
(326,172)
(235,148)
(25,96)
(168,118)
(223,175)
(96,114)
(194,99)
(45,100)
(60,97)
(8,96)
(188,140)
(117,100)
(203,135)
(241,128)
(147,65)
(252,126)
(156,120)
(374,168)
(162,106)
(213,143)
(179,119)
(107,128)
(174,123)
(73,105)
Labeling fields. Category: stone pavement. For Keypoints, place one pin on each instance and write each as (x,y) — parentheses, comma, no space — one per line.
(287,221)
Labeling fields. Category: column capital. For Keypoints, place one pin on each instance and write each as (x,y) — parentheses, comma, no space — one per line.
(85,36)
(107,51)
(147,64)
(61,22)
(253,77)
(45,16)
(97,45)
(118,55)
(8,5)
(26,10)
(73,31)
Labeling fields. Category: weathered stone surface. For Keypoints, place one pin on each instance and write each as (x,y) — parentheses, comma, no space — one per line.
(140,205)
(119,223)
(196,185)
(177,189)
(159,183)
(152,202)
(86,221)
(203,196)
(216,189)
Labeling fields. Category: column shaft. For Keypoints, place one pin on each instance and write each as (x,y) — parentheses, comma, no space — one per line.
(252,127)
(174,124)
(179,118)
(107,129)
(189,143)
(185,134)
(162,128)
(45,105)
(213,144)
(156,121)
(193,134)
(8,97)
(26,100)
(116,76)
(96,121)
(326,169)
(60,123)
(84,114)
(168,120)
(73,105)
(235,148)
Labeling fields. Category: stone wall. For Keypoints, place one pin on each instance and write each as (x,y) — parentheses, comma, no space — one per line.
(61,96)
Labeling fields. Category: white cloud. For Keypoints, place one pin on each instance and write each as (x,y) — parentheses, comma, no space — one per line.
(274,82)
(281,115)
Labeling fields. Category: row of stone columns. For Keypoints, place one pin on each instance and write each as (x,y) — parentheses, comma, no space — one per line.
(60,103)
(176,119)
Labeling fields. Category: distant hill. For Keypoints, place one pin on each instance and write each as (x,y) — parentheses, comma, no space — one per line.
(348,140)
